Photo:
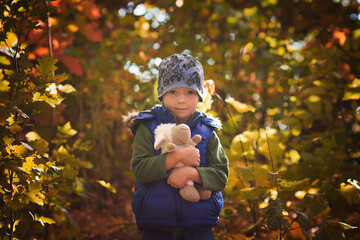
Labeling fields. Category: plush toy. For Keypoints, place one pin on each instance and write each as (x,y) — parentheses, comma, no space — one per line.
(169,137)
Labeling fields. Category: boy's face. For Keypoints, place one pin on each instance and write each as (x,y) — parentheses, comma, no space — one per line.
(182,102)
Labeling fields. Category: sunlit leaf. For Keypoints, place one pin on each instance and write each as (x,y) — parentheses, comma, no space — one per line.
(4,61)
(107,186)
(44,220)
(11,39)
(4,86)
(67,88)
(239,106)
(66,129)
(349,95)
(350,192)
(28,164)
(18,150)
(249,12)
(31,136)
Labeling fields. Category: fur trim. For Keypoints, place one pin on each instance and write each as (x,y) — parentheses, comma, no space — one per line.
(129,119)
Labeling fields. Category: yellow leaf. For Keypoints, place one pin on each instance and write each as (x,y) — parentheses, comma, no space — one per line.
(28,164)
(4,85)
(67,88)
(294,155)
(351,95)
(107,186)
(18,150)
(314,98)
(15,128)
(249,12)
(36,96)
(41,146)
(8,140)
(31,136)
(43,219)
(10,41)
(239,106)
(52,100)
(66,129)
(35,199)
(4,60)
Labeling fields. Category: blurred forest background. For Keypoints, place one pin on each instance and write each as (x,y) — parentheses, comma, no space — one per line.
(283,77)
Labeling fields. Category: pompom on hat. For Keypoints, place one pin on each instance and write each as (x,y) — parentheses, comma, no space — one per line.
(180,70)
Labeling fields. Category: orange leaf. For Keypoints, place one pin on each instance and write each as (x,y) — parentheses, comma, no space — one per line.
(91,32)
(210,86)
(340,36)
(90,10)
(73,64)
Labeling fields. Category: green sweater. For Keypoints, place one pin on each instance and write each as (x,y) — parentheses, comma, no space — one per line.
(148,167)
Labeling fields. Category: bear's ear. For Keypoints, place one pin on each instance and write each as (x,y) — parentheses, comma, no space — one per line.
(159,140)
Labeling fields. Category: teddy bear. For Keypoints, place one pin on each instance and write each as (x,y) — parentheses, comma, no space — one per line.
(170,137)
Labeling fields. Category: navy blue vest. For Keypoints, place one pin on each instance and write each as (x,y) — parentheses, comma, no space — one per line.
(157,204)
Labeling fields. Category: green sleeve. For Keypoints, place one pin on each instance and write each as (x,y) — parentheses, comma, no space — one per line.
(146,166)
(215,175)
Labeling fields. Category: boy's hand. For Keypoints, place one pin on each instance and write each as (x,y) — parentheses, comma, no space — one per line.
(178,177)
(189,155)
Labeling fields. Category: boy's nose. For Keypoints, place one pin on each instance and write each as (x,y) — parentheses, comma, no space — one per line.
(181,98)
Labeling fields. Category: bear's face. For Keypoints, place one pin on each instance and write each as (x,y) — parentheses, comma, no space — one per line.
(180,134)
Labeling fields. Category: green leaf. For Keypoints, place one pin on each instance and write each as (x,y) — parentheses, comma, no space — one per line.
(253,193)
(274,215)
(107,186)
(245,173)
(317,205)
(335,230)
(293,185)
(46,65)
(289,121)
(85,164)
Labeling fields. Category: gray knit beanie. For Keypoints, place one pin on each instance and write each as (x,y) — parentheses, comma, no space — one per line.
(180,70)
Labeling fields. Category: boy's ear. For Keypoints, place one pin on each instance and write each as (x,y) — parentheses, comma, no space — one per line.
(159,140)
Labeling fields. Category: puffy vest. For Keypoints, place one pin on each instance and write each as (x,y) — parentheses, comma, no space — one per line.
(157,204)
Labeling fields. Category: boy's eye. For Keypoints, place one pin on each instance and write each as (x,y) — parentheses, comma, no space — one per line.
(172,91)
(191,92)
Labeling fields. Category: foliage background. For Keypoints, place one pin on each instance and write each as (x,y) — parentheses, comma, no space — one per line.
(287,89)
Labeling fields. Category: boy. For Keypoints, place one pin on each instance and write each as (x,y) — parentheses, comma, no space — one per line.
(160,211)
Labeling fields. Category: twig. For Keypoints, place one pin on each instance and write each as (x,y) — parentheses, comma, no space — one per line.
(276,180)
(252,184)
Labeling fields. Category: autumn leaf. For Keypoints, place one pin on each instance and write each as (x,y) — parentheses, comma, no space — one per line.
(107,186)
(91,32)
(73,64)
(253,193)
(46,65)
(239,106)
(44,220)
(67,130)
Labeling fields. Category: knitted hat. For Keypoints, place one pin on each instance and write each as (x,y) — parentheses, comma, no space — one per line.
(180,70)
